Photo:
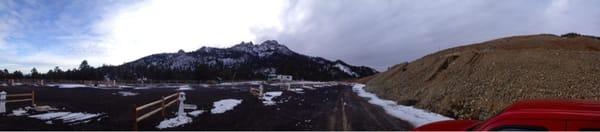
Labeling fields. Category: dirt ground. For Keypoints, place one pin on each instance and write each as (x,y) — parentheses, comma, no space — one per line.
(480,80)
(327,108)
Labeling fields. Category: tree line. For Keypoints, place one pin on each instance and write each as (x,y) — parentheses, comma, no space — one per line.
(83,72)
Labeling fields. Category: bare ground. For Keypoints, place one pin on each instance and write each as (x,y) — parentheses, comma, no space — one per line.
(331,108)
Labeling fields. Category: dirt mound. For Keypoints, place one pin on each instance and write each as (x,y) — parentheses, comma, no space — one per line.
(477,81)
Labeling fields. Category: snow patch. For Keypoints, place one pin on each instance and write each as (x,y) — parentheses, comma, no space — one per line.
(240,83)
(297,90)
(67,85)
(66,117)
(268,97)
(19,112)
(415,116)
(184,87)
(224,105)
(127,93)
(196,113)
(308,87)
(174,122)
(346,69)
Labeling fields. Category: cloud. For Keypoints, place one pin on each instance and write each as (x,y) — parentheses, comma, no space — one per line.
(377,33)
(157,26)
(30,32)
(386,32)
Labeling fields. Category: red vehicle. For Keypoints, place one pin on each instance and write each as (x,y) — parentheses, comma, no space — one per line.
(540,115)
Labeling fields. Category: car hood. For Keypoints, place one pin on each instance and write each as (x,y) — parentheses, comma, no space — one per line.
(449,125)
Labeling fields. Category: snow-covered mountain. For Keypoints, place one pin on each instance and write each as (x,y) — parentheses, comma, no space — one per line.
(246,61)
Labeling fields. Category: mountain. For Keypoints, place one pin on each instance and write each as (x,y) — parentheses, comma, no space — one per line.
(480,80)
(244,61)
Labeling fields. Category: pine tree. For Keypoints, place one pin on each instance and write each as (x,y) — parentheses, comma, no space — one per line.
(34,73)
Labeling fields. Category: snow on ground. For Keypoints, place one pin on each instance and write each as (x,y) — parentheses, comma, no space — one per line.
(268,97)
(240,83)
(297,90)
(415,116)
(225,105)
(126,93)
(195,113)
(174,122)
(125,86)
(345,69)
(66,117)
(184,87)
(134,87)
(19,112)
(308,87)
(67,85)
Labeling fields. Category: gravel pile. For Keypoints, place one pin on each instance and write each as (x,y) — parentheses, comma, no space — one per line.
(478,81)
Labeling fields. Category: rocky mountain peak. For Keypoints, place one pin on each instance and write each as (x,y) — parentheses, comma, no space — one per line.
(264,49)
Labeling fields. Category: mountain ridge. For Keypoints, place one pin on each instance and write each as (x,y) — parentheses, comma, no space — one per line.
(249,61)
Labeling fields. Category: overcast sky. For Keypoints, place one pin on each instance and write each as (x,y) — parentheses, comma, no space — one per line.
(375,33)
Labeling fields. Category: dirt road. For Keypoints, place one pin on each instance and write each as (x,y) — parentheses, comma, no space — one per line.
(352,112)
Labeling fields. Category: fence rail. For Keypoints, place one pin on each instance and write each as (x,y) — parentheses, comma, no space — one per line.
(4,98)
(163,105)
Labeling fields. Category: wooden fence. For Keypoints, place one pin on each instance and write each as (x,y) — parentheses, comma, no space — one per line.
(30,95)
(164,103)
(5,98)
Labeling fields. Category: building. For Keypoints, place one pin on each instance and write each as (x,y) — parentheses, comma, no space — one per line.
(276,77)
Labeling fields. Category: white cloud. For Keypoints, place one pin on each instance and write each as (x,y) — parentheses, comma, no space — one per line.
(166,26)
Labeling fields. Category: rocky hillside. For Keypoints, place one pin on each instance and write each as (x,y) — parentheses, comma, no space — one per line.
(244,61)
(479,80)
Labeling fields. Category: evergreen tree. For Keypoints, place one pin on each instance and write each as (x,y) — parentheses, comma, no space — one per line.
(17,74)
(34,73)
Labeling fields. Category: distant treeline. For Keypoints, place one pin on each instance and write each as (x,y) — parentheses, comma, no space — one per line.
(84,72)
(105,72)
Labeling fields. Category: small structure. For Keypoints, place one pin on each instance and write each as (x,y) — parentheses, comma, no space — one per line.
(277,77)
(41,82)
(11,82)
(2,102)
(257,91)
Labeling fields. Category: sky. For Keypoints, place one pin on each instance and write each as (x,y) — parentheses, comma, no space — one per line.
(374,33)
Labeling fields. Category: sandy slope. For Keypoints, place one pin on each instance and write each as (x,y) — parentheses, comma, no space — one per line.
(479,80)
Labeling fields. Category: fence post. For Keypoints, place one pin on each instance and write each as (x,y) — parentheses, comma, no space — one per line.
(33,98)
(180,112)
(2,102)
(162,105)
(135,127)
(260,88)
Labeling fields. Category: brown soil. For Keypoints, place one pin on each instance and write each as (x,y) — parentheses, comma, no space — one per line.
(479,80)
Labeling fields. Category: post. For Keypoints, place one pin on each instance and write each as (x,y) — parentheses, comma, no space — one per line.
(180,112)
(2,102)
(260,88)
(33,98)
(135,127)
(162,105)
